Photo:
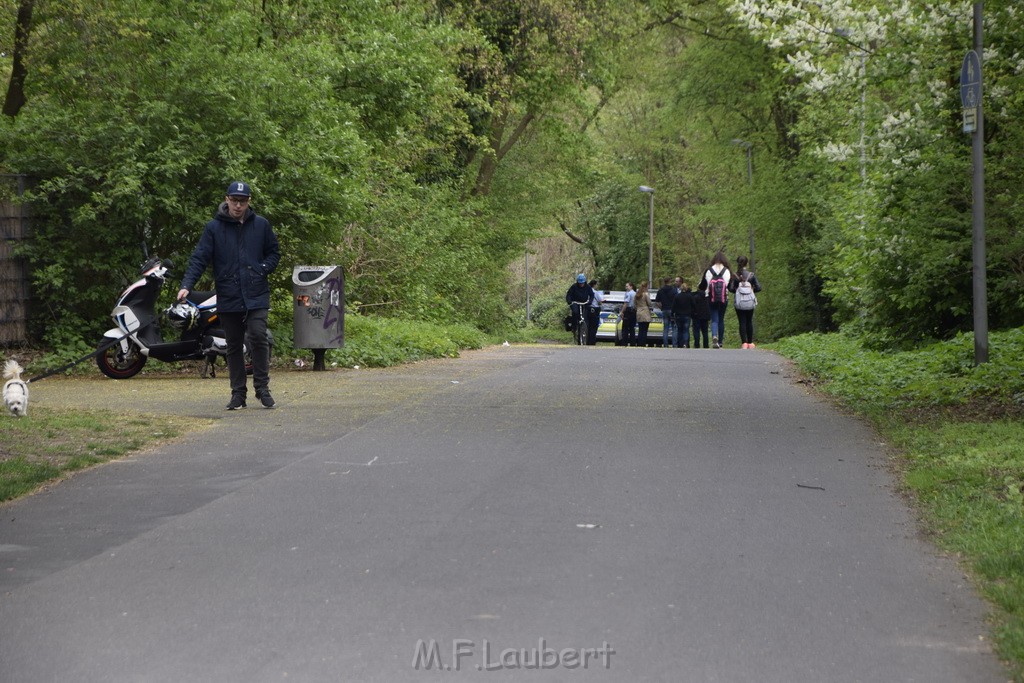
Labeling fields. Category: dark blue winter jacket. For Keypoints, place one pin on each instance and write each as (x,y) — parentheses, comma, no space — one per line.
(583,294)
(242,254)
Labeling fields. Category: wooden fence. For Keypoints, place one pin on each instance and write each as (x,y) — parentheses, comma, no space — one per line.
(14,287)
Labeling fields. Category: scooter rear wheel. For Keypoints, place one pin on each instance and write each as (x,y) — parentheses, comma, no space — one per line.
(118,365)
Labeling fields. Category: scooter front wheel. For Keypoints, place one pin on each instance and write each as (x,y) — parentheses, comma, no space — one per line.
(118,364)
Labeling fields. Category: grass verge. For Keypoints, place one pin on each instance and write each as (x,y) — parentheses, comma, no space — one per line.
(50,443)
(960,431)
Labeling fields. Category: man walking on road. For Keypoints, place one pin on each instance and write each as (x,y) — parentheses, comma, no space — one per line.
(243,249)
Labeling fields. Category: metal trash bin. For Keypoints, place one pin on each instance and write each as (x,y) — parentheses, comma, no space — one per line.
(319,310)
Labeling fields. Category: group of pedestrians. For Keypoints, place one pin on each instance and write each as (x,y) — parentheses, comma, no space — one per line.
(636,315)
(706,307)
(703,309)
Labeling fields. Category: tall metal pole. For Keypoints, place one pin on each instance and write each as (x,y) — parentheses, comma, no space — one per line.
(749,149)
(650,246)
(650,238)
(750,182)
(863,144)
(978,214)
(527,287)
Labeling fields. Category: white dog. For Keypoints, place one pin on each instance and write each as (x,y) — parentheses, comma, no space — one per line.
(15,390)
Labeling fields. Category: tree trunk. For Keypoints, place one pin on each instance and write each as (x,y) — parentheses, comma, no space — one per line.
(15,99)
(489,164)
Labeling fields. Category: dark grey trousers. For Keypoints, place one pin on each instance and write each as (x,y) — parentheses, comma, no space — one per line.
(247,328)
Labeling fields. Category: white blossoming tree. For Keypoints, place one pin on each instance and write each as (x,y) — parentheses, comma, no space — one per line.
(878,133)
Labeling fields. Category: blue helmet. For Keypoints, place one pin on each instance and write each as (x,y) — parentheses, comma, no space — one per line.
(581,278)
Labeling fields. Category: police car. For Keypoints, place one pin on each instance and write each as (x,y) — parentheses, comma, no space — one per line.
(610,328)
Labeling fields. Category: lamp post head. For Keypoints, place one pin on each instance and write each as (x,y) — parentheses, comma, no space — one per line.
(742,143)
(644,188)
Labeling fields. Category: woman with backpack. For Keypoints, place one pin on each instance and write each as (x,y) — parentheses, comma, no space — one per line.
(745,288)
(717,278)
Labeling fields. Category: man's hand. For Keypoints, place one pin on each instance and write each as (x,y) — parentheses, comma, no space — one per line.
(182,293)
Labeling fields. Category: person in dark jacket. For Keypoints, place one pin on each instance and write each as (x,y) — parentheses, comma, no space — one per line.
(627,317)
(701,314)
(243,250)
(663,300)
(581,294)
(682,311)
(594,321)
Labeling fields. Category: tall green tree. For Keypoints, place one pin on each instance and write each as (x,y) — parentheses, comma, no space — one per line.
(342,120)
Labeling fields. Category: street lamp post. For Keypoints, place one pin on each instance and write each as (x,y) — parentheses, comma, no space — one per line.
(650,238)
(847,34)
(980,276)
(749,148)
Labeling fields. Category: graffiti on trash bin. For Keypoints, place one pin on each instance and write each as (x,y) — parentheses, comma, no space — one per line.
(334,316)
(325,304)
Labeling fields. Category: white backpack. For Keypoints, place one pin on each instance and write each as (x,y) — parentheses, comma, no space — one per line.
(745,299)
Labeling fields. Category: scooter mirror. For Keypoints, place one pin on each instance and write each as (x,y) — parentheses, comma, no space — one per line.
(149,265)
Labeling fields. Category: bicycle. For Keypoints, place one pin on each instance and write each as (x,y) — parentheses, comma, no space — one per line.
(579,332)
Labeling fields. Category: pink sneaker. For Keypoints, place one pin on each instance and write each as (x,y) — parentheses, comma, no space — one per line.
(746,345)
(751,345)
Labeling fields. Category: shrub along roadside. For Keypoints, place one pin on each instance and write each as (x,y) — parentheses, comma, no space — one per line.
(374,342)
(959,430)
(370,341)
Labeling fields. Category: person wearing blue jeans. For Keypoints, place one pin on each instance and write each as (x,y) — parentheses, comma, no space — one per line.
(717,279)
(663,299)
(682,310)
(717,324)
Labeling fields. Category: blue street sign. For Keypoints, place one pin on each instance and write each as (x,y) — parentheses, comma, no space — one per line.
(970,81)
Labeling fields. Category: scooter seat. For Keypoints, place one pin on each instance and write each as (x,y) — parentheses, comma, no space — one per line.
(203,300)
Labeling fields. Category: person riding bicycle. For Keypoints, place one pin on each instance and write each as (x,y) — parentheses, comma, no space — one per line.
(580,293)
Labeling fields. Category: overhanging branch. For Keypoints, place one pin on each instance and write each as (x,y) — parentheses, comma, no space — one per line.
(568,233)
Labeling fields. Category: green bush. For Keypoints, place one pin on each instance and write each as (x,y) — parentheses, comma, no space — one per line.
(942,373)
(549,311)
(380,342)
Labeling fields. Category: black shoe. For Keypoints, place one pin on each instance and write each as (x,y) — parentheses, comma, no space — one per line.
(236,403)
(266,399)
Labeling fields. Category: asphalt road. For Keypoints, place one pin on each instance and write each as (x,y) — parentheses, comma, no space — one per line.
(521,513)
